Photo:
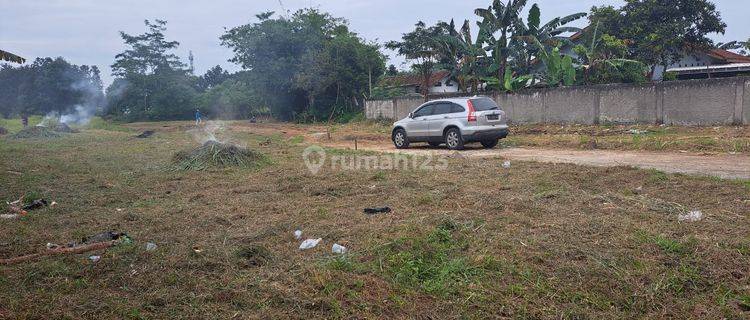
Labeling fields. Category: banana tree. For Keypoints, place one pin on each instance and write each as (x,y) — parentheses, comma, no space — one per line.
(460,54)
(559,68)
(548,34)
(605,53)
(735,45)
(499,18)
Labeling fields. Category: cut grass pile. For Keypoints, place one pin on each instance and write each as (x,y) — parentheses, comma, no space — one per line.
(36,132)
(63,128)
(213,154)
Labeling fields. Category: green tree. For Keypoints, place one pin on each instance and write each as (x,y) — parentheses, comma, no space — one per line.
(503,19)
(660,32)
(422,46)
(549,34)
(49,86)
(459,53)
(152,83)
(307,66)
(212,78)
(604,61)
(147,52)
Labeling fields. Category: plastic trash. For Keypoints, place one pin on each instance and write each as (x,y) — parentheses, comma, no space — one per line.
(377,210)
(36,204)
(95,258)
(9,216)
(692,216)
(506,165)
(298,234)
(150,246)
(338,249)
(310,243)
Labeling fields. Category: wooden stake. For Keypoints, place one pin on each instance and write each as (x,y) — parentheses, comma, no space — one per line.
(78,249)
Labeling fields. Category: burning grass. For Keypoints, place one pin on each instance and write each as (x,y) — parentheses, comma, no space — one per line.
(36,132)
(213,154)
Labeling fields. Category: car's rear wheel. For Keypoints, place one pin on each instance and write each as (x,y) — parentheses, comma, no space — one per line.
(400,140)
(454,140)
(489,144)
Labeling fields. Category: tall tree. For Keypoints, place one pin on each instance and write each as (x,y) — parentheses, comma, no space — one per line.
(49,86)
(213,77)
(423,47)
(152,83)
(305,65)
(147,52)
(549,34)
(661,32)
(499,18)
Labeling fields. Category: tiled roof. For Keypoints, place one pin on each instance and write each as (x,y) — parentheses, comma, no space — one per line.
(728,56)
(415,79)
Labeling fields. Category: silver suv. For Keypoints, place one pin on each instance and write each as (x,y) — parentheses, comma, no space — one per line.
(454,122)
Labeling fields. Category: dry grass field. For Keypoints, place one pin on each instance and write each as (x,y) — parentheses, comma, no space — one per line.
(476,240)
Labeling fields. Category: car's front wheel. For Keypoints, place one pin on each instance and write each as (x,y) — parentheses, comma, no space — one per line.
(489,144)
(454,140)
(400,139)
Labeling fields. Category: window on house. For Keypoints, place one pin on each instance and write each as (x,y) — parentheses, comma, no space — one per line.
(449,84)
(439,84)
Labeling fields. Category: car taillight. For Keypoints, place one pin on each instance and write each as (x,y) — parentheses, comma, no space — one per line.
(472,112)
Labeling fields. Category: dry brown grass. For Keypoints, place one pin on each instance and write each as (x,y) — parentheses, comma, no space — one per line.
(724,139)
(476,240)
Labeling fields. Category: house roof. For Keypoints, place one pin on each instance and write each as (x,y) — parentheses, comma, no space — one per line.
(731,67)
(727,56)
(414,79)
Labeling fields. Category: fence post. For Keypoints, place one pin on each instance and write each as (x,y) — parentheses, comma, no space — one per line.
(659,89)
(739,93)
(597,106)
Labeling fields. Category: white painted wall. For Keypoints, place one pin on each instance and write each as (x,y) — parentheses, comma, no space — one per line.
(446,86)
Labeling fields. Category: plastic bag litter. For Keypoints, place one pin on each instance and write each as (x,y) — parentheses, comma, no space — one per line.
(338,249)
(95,258)
(9,216)
(310,243)
(298,234)
(150,246)
(691,216)
(506,165)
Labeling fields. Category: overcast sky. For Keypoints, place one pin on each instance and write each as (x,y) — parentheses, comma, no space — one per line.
(86,31)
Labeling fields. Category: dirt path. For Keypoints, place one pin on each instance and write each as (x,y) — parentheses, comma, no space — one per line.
(722,165)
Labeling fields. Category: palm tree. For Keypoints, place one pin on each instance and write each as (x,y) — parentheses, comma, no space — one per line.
(7,56)
(502,18)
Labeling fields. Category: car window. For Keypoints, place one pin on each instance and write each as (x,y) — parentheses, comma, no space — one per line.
(455,108)
(424,111)
(442,108)
(484,104)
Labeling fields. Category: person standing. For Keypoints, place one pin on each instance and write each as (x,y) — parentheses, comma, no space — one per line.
(198,119)
(25,120)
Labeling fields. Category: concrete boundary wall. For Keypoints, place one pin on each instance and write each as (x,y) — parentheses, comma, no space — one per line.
(724,101)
